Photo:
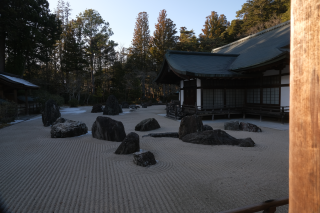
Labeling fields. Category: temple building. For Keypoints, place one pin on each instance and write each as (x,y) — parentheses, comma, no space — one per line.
(248,76)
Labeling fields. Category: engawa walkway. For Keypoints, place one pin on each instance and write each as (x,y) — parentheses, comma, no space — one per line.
(81,174)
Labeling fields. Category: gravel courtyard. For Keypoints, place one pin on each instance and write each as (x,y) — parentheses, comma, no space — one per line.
(82,174)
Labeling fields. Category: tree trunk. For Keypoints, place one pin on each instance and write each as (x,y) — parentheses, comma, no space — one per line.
(2,50)
(143,84)
(304,152)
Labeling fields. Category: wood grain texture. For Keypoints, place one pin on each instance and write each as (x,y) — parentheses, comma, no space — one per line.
(304,157)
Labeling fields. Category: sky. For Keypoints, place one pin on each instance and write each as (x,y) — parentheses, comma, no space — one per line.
(122,14)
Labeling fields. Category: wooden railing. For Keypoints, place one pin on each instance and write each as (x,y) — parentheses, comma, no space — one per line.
(177,111)
(268,206)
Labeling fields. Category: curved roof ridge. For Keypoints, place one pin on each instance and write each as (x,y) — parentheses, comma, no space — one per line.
(252,36)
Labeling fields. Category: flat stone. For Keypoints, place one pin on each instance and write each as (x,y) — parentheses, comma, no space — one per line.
(147,125)
(64,128)
(129,145)
(144,159)
(165,134)
(105,128)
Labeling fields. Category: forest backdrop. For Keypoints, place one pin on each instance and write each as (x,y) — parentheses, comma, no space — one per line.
(76,59)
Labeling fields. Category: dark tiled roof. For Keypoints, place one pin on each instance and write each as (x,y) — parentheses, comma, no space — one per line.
(258,48)
(201,64)
(17,81)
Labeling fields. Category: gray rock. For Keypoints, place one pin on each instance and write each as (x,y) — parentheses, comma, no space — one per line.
(120,109)
(216,137)
(133,106)
(144,159)
(64,128)
(247,142)
(207,127)
(97,108)
(105,128)
(112,106)
(165,134)
(51,113)
(190,124)
(147,125)
(129,145)
(231,125)
(249,127)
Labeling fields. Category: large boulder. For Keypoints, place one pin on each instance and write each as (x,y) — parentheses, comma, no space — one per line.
(112,106)
(129,145)
(105,128)
(216,137)
(190,124)
(64,128)
(144,159)
(147,125)
(231,125)
(97,108)
(50,113)
(207,127)
(249,127)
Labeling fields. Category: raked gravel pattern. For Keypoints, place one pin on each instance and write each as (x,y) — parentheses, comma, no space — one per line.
(81,174)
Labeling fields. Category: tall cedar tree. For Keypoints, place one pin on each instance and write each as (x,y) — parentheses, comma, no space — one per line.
(27,32)
(214,26)
(96,32)
(140,48)
(164,38)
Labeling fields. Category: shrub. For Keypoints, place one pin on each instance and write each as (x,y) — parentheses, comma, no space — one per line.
(73,102)
(8,111)
(43,96)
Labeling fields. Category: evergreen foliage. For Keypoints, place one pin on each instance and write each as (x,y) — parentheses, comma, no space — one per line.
(164,38)
(77,60)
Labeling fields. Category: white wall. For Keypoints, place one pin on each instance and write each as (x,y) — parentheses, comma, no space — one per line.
(199,93)
(285,79)
(181,92)
(285,96)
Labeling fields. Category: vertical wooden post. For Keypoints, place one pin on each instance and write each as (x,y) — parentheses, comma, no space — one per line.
(304,152)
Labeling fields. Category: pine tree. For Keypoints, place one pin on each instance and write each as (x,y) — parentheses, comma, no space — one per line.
(27,31)
(187,40)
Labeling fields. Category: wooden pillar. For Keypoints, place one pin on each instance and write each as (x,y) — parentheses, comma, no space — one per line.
(27,104)
(304,151)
